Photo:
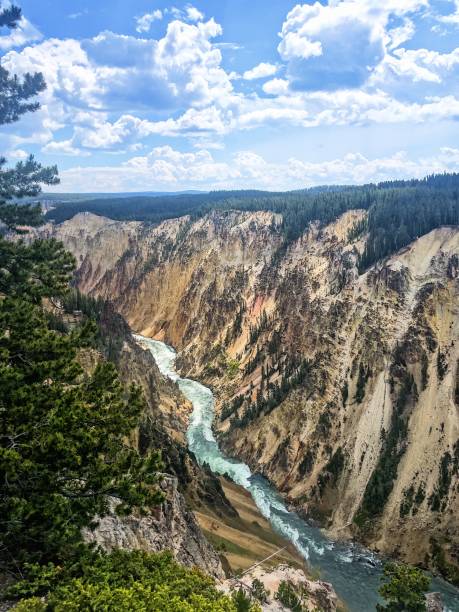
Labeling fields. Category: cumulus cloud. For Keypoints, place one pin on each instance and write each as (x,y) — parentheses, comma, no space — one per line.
(451,18)
(165,168)
(190,13)
(17,154)
(63,147)
(339,44)
(110,73)
(312,109)
(261,71)
(344,66)
(95,133)
(276,87)
(181,69)
(419,74)
(143,23)
(193,14)
(343,107)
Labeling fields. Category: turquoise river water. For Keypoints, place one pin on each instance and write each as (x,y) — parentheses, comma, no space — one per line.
(354,571)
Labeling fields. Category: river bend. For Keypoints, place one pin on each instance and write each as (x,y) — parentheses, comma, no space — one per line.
(354,571)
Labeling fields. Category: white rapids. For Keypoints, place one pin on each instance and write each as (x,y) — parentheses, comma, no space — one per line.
(354,571)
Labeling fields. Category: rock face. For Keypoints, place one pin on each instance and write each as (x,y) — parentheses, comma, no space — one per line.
(165,419)
(434,602)
(341,388)
(172,527)
(319,595)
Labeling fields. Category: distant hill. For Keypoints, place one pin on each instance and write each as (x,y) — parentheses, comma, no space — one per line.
(151,208)
(78,197)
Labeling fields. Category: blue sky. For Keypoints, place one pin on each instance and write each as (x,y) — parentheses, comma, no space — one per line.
(149,95)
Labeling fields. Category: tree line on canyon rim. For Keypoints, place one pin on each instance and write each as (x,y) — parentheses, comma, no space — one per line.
(398,211)
(64,431)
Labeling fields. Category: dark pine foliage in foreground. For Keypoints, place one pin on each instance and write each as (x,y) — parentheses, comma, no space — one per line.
(63,431)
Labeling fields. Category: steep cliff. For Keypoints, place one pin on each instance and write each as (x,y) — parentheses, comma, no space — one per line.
(342,388)
(172,525)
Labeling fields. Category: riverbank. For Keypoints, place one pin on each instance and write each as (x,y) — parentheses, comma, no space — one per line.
(248,538)
(354,571)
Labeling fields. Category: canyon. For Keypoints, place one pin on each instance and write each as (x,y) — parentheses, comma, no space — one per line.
(340,387)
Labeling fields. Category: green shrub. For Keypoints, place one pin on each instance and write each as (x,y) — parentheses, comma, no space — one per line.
(449,571)
(232,367)
(404,589)
(289,597)
(259,592)
(133,581)
(242,601)
(33,604)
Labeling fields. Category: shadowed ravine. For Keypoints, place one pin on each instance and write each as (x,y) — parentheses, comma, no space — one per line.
(353,570)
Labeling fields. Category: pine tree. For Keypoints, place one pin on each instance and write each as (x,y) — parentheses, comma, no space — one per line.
(404,589)
(16,94)
(25,270)
(63,433)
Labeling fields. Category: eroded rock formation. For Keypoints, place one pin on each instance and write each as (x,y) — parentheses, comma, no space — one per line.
(342,388)
(171,526)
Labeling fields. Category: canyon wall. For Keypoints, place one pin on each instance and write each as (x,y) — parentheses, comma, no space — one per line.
(171,525)
(341,388)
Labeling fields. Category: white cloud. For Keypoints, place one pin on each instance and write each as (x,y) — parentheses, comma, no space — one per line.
(314,109)
(113,92)
(145,21)
(190,13)
(261,71)
(406,68)
(181,69)
(194,121)
(168,169)
(294,45)
(343,107)
(90,81)
(272,115)
(24,34)
(63,147)
(276,87)
(78,14)
(92,132)
(17,154)
(175,12)
(229,45)
(193,14)
(339,44)
(397,36)
(451,18)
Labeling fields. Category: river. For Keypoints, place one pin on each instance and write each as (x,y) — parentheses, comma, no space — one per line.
(354,571)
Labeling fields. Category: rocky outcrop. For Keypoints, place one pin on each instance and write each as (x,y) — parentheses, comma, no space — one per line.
(317,595)
(434,602)
(171,526)
(340,387)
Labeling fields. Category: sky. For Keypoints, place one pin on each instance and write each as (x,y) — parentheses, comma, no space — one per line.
(147,95)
